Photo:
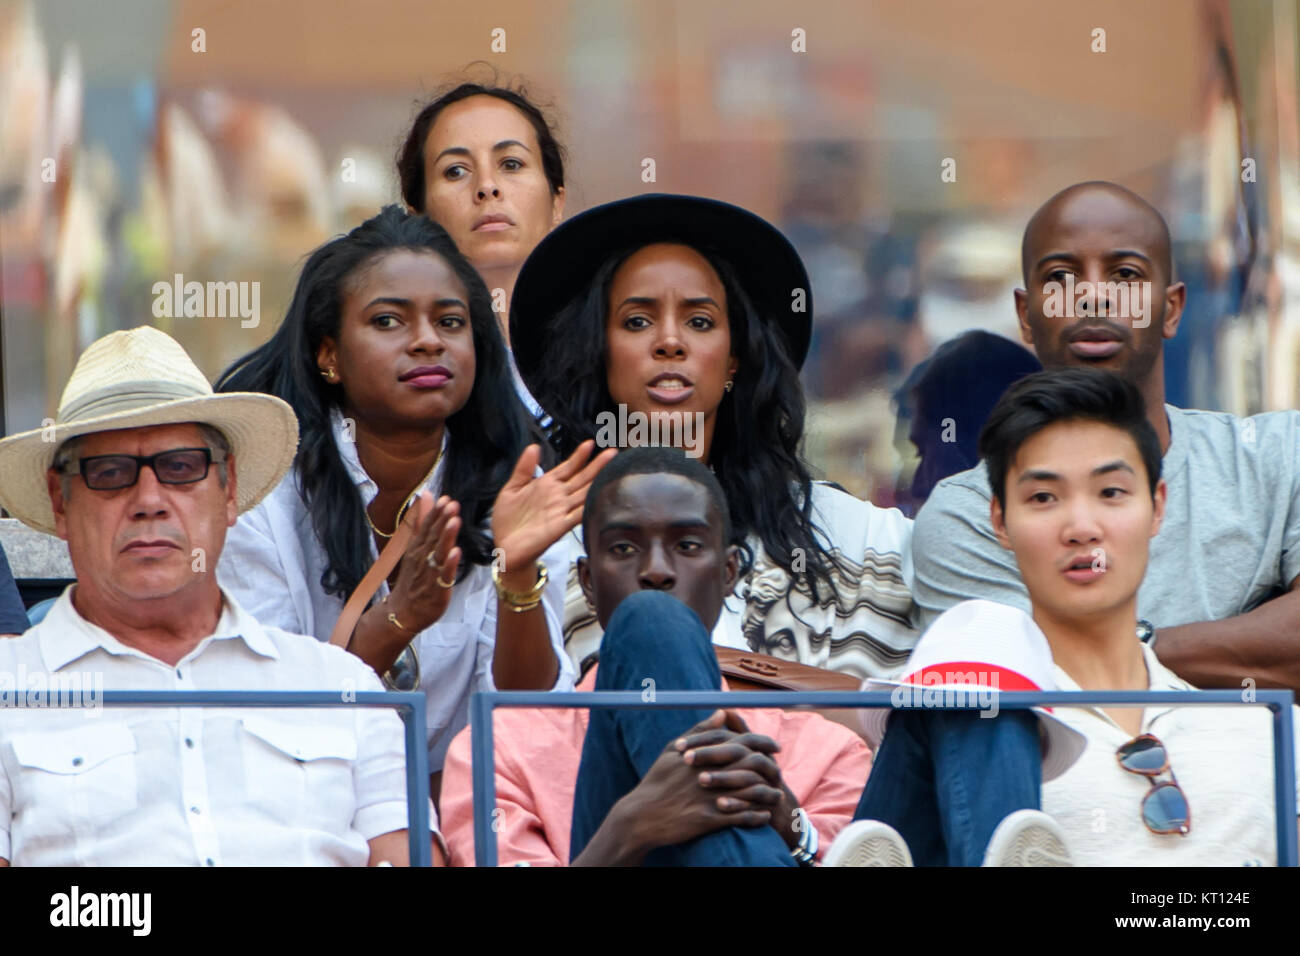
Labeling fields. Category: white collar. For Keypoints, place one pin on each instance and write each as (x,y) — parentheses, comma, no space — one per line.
(1159,677)
(344,433)
(65,636)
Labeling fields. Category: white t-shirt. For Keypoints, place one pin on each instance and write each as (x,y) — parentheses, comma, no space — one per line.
(1222,757)
(866,627)
(190,786)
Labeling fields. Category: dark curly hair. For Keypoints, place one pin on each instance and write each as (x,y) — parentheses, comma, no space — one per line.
(485,438)
(410,157)
(757,441)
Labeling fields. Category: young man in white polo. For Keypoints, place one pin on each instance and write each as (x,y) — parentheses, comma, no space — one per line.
(1075,469)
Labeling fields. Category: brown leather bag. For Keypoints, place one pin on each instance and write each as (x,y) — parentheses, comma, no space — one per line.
(746,670)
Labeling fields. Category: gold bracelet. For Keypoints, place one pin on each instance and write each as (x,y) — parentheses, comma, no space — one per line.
(520,601)
(392,619)
(521,608)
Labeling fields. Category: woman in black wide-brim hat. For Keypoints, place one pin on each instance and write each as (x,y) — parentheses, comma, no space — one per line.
(675,319)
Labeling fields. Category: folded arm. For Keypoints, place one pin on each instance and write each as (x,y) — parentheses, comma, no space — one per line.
(1262,645)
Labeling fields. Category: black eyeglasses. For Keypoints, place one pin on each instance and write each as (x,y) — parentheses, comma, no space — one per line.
(180,466)
(1164,808)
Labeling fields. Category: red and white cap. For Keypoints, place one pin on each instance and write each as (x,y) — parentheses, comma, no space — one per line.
(982,647)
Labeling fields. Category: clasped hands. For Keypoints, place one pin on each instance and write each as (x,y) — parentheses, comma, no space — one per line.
(717,774)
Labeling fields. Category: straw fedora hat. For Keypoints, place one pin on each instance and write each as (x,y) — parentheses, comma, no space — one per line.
(137,379)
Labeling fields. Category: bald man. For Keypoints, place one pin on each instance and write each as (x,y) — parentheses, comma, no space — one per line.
(1220,602)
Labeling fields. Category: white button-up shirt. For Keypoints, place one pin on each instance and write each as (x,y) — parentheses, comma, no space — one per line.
(186,786)
(273,562)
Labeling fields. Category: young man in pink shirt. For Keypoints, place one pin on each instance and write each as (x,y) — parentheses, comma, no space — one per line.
(659,787)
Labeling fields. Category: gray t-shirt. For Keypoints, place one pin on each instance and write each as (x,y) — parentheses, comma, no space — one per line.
(1230,538)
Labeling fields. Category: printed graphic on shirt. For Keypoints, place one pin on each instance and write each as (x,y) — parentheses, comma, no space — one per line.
(862,627)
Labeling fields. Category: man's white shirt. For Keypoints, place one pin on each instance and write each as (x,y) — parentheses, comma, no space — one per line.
(148,786)
(1222,757)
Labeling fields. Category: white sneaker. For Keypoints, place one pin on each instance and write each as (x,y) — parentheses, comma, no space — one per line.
(868,843)
(1028,838)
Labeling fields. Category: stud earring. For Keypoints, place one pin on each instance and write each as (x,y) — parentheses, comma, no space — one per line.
(330,375)
(727,385)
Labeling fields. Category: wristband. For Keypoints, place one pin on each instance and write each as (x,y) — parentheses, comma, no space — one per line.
(805,851)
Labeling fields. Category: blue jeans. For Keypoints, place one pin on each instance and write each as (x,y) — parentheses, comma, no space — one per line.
(944,779)
(653,636)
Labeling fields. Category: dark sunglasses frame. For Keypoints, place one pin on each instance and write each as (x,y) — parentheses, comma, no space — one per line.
(1156,784)
(140,462)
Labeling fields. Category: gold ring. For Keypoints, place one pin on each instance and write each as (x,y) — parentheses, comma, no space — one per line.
(445,584)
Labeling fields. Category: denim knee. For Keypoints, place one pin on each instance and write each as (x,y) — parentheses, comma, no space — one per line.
(651,621)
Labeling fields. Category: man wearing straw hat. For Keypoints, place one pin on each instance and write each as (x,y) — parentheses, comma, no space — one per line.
(142,472)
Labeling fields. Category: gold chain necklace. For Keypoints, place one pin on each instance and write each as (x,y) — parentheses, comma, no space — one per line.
(405,504)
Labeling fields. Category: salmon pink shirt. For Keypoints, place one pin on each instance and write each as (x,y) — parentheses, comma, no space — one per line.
(824,764)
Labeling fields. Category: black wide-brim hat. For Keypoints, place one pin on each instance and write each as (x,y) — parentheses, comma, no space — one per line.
(564,263)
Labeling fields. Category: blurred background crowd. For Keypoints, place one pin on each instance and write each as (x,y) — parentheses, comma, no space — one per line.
(224,139)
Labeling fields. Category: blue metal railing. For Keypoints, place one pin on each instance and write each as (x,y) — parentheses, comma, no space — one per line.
(482,705)
(409,707)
